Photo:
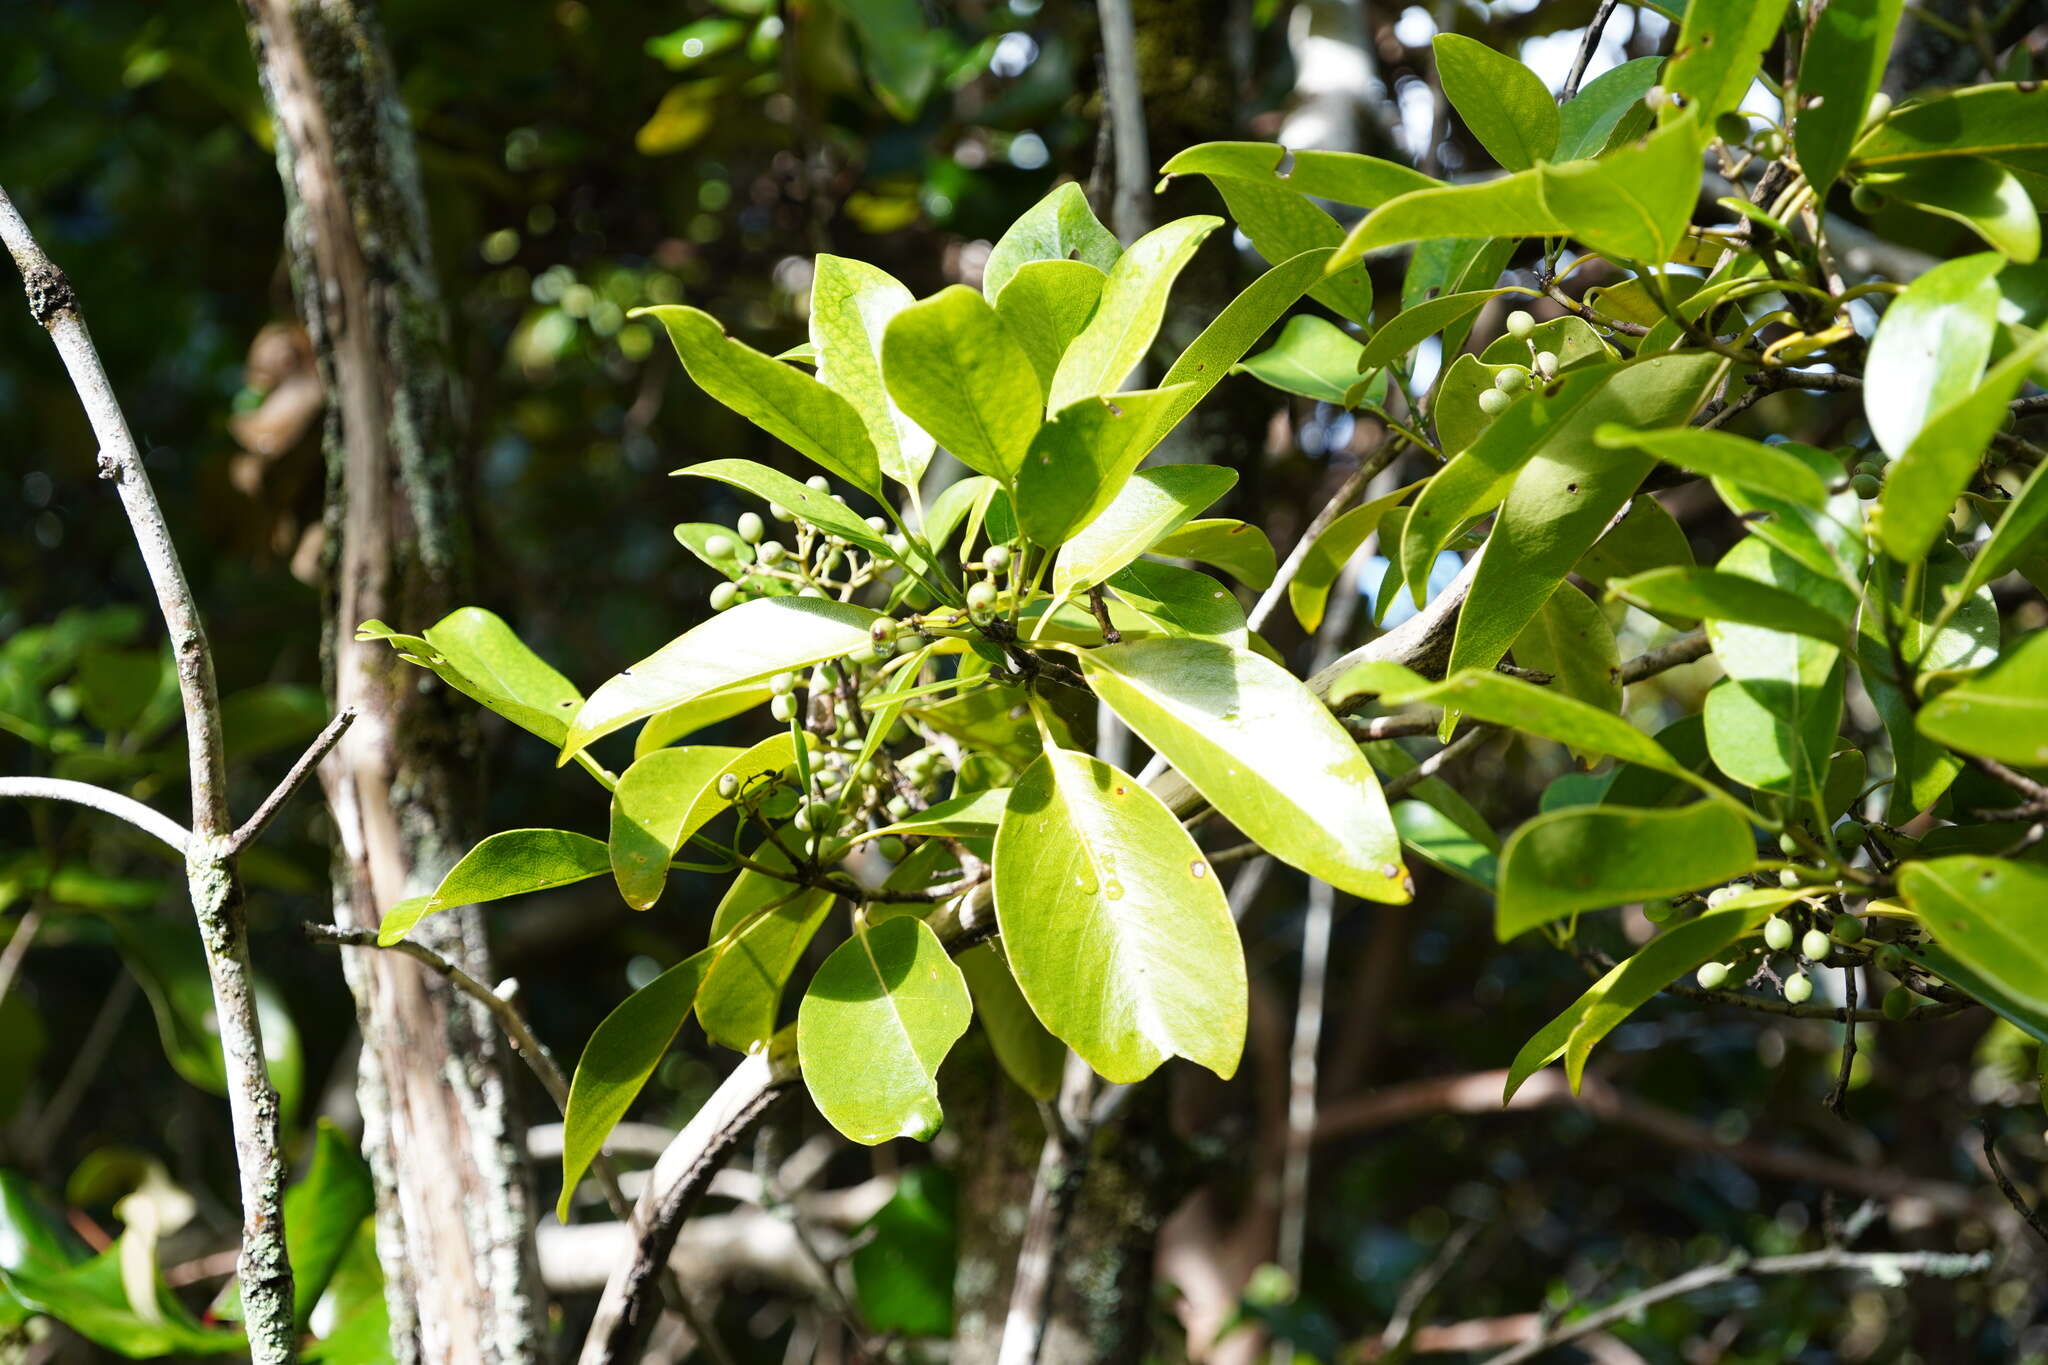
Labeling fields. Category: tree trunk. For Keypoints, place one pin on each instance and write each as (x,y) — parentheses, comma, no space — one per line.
(454,1211)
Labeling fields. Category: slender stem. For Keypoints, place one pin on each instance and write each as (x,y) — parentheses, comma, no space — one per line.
(1684,650)
(151,822)
(321,746)
(2010,1190)
(1589,43)
(265,1266)
(17,947)
(1346,494)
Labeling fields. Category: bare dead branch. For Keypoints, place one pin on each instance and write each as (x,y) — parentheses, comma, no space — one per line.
(150,821)
(322,745)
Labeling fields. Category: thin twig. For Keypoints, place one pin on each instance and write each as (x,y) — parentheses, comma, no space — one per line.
(1884,1265)
(150,821)
(2008,1189)
(1097,604)
(265,1267)
(1400,784)
(322,744)
(18,944)
(1347,492)
(1588,45)
(1684,650)
(1838,1098)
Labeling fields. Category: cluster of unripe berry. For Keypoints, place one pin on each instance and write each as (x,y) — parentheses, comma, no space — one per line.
(1866,470)
(1515,378)
(820,565)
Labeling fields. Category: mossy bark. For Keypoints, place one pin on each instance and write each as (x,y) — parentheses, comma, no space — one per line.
(455,1214)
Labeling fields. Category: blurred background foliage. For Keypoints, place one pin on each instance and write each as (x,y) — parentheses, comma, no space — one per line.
(583,157)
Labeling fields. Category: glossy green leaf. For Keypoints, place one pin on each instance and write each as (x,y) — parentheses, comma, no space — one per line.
(880,1015)
(1312,357)
(1028,1054)
(1982,195)
(1588,119)
(900,54)
(970,815)
(1152,504)
(360,1329)
(953,368)
(1283,224)
(1080,460)
(2006,122)
(170,965)
(1309,591)
(1829,540)
(1179,601)
(1253,740)
(1045,306)
(819,509)
(1722,455)
(1713,595)
(1645,538)
(2001,713)
(621,1054)
(1930,348)
(323,1211)
(1968,638)
(1342,177)
(1562,499)
(664,728)
(755,639)
(1586,857)
(1443,842)
(1128,315)
(510,863)
(1571,640)
(1719,51)
(1634,981)
(92,1298)
(1242,322)
(1412,326)
(1776,735)
(1115,925)
(851,306)
(2016,534)
(904,1265)
(1991,914)
(782,400)
(1847,47)
(1237,547)
(758,935)
(478,655)
(1504,104)
(1058,227)
(1922,487)
(670,794)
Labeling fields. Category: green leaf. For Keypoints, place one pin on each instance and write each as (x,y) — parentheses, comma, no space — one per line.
(1412,326)
(1633,202)
(1045,306)
(1635,980)
(1921,769)
(1930,348)
(1342,177)
(1585,857)
(477,654)
(1646,537)
(1309,591)
(780,399)
(670,794)
(1058,227)
(1714,595)
(904,1265)
(880,1015)
(1237,547)
(1127,316)
(900,53)
(1722,455)
(1586,121)
(1153,503)
(92,1299)
(851,307)
(1283,225)
(1847,47)
(360,1332)
(1829,540)
(510,863)
(819,509)
(1080,460)
(1438,839)
(664,728)
(2016,535)
(1029,1055)
(1184,602)
(2001,713)
(1312,357)
(1719,51)
(621,1054)
(1505,105)
(755,639)
(1116,928)
(1988,913)
(1776,735)
(1571,640)
(1921,489)
(322,1212)
(1562,499)
(170,966)
(759,935)
(2006,122)
(1253,740)
(953,368)
(1210,356)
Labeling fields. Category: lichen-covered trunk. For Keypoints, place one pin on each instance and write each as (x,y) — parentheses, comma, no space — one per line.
(454,1213)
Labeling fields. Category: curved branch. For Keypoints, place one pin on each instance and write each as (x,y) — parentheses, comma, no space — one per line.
(150,821)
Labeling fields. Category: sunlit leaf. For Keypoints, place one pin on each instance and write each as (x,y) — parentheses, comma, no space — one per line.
(1586,857)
